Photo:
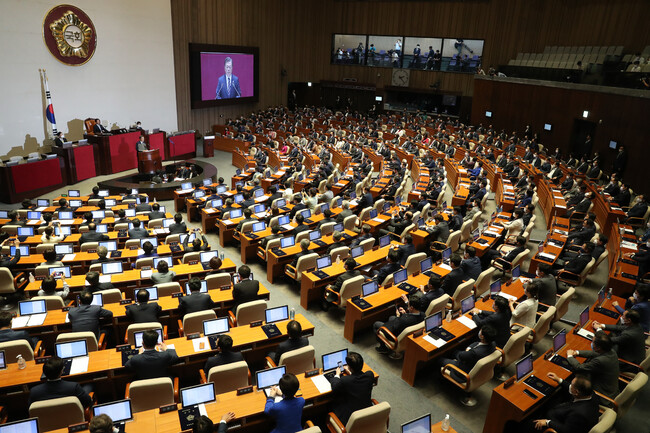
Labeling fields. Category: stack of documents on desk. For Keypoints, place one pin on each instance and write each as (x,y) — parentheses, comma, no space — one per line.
(547,256)
(438,342)
(322,384)
(628,245)
(467,322)
(30,320)
(79,365)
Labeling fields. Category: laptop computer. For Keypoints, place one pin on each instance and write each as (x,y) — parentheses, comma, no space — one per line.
(559,341)
(277,314)
(129,212)
(28,308)
(23,426)
(256,228)
(332,361)
(118,411)
(215,327)
(199,193)
(154,241)
(24,250)
(433,327)
(265,379)
(446,255)
(63,230)
(138,337)
(418,425)
(205,258)
(384,241)
(524,368)
(356,252)
(426,265)
(24,233)
(236,213)
(98,214)
(111,268)
(110,245)
(321,263)
(42,202)
(204,287)
(399,279)
(33,215)
(238,198)
(516,272)
(467,304)
(103,193)
(221,189)
(63,249)
(153,292)
(198,394)
(70,350)
(315,237)
(74,204)
(495,289)
(110,202)
(583,321)
(367,289)
(74,193)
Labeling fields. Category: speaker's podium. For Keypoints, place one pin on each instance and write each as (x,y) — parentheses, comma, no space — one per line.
(149,161)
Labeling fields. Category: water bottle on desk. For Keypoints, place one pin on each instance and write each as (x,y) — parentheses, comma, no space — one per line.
(292,314)
(609,293)
(445,423)
(21,362)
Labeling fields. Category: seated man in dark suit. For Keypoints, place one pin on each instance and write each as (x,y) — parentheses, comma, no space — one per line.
(628,338)
(178,226)
(150,363)
(196,301)
(298,205)
(601,364)
(301,226)
(102,256)
(639,209)
(452,280)
(547,285)
(63,206)
(143,206)
(471,265)
(197,244)
(406,250)
(224,356)
(577,264)
(440,232)
(350,272)
(8,334)
(91,235)
(143,311)
(402,319)
(467,359)
(499,320)
(392,265)
(304,250)
(336,237)
(397,224)
(295,341)
(55,387)
(98,128)
(579,414)
(433,290)
(86,317)
(365,234)
(353,391)
(504,258)
(583,234)
(93,283)
(246,290)
(121,217)
(138,232)
(366,199)
(275,234)
(155,212)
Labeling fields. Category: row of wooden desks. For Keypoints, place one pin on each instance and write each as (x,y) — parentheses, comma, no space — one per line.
(513,404)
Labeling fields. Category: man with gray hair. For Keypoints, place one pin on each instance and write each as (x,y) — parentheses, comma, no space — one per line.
(228,84)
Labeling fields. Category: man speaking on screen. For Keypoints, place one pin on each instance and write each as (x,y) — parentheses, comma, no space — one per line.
(228,84)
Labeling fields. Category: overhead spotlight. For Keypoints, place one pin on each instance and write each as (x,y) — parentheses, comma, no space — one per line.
(308,83)
(585,114)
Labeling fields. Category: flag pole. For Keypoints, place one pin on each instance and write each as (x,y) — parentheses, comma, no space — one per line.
(49,110)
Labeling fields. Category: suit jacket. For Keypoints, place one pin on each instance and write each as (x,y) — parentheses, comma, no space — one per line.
(288,346)
(451,281)
(343,215)
(224,91)
(547,290)
(513,254)
(574,416)
(11,335)
(629,341)
(92,237)
(86,318)
(386,270)
(59,388)
(176,228)
(440,232)
(583,235)
(365,201)
(142,313)
(467,359)
(195,302)
(405,251)
(222,358)
(351,393)
(397,324)
(245,291)
(151,364)
(287,414)
(343,278)
(471,267)
(153,215)
(167,277)
(577,264)
(138,233)
(638,210)
(603,369)
(500,321)
(98,129)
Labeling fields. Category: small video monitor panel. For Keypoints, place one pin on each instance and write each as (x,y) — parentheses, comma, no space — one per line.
(369,288)
(418,425)
(118,411)
(276,314)
(23,426)
(426,264)
(400,276)
(26,308)
(216,326)
(559,340)
(433,321)
(467,304)
(331,360)
(138,337)
(270,377)
(323,262)
(198,394)
(524,367)
(71,349)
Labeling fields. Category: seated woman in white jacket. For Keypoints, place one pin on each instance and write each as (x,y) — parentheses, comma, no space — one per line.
(525,313)
(48,236)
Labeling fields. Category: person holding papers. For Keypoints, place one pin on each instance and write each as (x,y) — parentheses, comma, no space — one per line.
(287,413)
(86,317)
(8,334)
(151,363)
(55,387)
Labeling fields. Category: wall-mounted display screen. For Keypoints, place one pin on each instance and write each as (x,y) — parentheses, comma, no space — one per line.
(221,75)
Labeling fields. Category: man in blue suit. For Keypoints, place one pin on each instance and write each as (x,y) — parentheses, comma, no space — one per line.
(228,84)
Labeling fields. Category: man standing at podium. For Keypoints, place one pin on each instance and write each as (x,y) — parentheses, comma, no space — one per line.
(141,146)
(228,84)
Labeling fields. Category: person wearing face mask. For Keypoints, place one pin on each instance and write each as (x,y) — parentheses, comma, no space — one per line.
(638,302)
(601,364)
(642,259)
(59,139)
(628,338)
(578,413)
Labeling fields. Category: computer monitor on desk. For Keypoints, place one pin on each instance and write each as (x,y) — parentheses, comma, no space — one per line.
(400,276)
(323,262)
(369,288)
(467,304)
(384,240)
(195,395)
(524,367)
(516,272)
(333,360)
(23,426)
(277,314)
(426,264)
(269,377)
(446,254)
(584,317)
(432,322)
(137,336)
(287,242)
(418,425)
(495,288)
(216,326)
(559,341)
